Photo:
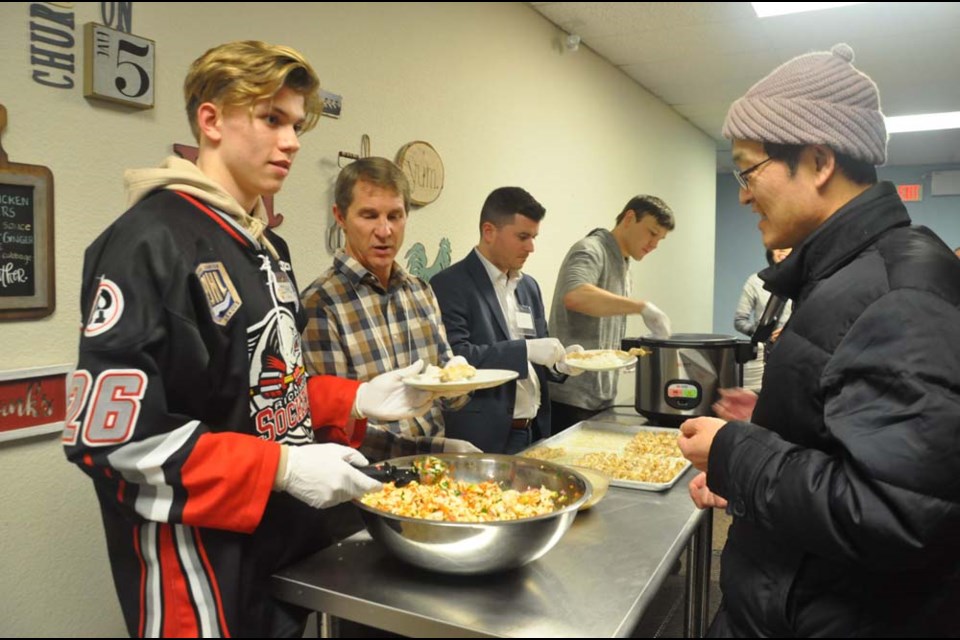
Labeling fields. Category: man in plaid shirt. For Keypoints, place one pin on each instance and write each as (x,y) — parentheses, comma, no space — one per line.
(367,315)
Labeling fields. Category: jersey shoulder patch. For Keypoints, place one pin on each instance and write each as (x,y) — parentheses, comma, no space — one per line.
(107,308)
(222,296)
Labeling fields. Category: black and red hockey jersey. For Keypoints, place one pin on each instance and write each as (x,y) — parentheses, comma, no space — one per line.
(190,373)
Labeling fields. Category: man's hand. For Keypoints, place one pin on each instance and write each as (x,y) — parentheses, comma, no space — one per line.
(386,397)
(702,496)
(657,321)
(545,351)
(563,367)
(696,438)
(321,475)
(735,404)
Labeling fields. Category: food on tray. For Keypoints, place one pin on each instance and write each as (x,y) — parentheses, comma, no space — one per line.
(545,453)
(459,501)
(660,443)
(639,468)
(639,352)
(649,456)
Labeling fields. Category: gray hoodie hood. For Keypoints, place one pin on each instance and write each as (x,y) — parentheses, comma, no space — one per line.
(178,174)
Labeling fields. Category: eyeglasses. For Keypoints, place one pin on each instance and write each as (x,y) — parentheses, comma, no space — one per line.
(741,176)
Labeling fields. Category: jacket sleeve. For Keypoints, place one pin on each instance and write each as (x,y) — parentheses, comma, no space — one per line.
(139,387)
(743,318)
(887,496)
(446,353)
(454,297)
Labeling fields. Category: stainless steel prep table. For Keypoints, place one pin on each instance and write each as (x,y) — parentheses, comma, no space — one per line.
(598,580)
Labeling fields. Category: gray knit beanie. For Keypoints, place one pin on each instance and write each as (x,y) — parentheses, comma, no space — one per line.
(816,98)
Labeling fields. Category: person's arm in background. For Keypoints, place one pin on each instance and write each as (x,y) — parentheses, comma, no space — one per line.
(744,319)
(580,271)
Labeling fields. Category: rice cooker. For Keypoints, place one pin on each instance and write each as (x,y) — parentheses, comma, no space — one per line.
(682,374)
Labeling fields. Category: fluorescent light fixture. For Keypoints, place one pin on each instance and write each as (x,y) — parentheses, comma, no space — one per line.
(767,9)
(923,122)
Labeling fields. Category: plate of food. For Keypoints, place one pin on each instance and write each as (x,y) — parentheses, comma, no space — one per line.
(603,359)
(459,378)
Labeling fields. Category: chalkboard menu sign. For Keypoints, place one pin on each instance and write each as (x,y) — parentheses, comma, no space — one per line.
(18,258)
(26,238)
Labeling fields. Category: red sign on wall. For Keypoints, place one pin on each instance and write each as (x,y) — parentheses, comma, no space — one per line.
(32,401)
(910,192)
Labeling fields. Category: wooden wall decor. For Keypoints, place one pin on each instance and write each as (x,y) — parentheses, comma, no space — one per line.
(424,168)
(26,238)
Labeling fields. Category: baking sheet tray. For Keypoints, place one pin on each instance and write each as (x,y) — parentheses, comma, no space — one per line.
(591,436)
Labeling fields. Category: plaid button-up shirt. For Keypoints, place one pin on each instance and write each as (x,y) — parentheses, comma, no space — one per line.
(357,329)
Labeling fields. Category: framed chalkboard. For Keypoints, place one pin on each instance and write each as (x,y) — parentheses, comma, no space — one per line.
(26,238)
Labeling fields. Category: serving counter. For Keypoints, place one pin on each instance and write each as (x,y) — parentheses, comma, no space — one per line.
(597,581)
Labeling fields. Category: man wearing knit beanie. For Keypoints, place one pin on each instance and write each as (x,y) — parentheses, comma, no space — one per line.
(842,475)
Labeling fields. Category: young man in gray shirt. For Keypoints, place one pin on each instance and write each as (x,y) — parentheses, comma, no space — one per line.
(592,300)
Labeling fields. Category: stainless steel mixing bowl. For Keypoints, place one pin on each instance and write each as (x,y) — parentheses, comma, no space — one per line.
(482,547)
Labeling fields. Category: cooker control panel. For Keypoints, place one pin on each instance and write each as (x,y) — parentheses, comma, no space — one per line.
(682,394)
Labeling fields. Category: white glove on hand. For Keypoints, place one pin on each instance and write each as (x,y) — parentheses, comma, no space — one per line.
(321,476)
(657,321)
(563,367)
(452,445)
(545,351)
(387,398)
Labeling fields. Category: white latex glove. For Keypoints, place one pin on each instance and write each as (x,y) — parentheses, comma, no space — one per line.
(386,397)
(452,445)
(545,351)
(562,366)
(321,475)
(657,321)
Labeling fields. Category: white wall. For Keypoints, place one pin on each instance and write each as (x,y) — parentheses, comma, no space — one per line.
(486,84)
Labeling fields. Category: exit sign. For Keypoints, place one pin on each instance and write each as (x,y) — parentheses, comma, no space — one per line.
(910,192)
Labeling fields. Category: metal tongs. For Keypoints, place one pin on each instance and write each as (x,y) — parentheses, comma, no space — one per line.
(426,470)
(386,472)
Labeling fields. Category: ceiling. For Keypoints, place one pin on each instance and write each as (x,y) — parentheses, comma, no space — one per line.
(699,57)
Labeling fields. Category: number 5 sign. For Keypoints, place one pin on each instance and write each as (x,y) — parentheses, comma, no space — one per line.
(118,66)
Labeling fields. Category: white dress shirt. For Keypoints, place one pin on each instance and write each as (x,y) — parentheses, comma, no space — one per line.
(505,285)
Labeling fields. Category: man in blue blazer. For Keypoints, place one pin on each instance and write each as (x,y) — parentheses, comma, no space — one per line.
(494,317)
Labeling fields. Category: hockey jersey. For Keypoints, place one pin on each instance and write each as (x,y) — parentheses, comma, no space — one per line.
(190,373)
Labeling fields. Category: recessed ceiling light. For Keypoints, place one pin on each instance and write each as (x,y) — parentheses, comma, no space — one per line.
(767,9)
(923,122)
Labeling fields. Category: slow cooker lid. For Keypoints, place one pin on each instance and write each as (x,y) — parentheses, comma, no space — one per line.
(690,340)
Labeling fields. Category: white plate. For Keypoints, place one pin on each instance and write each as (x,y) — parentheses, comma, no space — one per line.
(485,379)
(577,363)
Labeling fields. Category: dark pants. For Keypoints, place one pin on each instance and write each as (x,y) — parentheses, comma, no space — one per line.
(567,415)
(518,440)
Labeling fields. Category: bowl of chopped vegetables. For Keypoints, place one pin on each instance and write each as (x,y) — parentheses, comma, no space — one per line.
(474,513)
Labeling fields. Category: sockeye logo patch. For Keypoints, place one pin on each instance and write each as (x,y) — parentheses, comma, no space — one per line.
(221,294)
(107,308)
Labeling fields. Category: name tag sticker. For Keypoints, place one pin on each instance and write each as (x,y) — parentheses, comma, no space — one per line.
(525,322)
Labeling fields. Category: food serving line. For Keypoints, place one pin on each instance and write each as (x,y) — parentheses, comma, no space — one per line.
(598,580)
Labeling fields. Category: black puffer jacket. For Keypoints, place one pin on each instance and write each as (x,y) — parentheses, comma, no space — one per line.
(845,490)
